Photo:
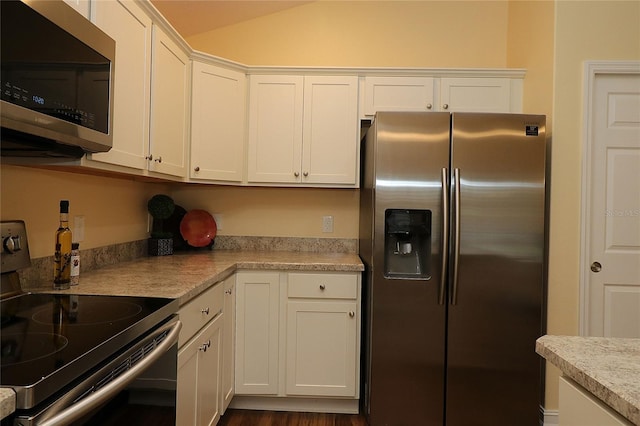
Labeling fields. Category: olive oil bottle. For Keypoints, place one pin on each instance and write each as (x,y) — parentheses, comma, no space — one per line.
(62,257)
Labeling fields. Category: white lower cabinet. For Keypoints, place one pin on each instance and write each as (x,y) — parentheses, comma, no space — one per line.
(228,343)
(298,338)
(322,334)
(257,332)
(200,354)
(578,407)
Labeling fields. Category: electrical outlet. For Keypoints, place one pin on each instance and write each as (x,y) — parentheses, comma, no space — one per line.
(327,224)
(78,229)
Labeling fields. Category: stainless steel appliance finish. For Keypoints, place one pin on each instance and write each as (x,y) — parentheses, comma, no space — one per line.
(57,81)
(450,339)
(81,359)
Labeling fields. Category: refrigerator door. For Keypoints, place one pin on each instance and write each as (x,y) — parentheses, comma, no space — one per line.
(495,309)
(405,156)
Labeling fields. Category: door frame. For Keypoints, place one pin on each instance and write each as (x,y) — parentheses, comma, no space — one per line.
(592,69)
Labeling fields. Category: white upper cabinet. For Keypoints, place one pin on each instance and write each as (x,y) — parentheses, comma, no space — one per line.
(303,130)
(217,123)
(170,94)
(475,94)
(442,93)
(397,94)
(130,27)
(330,130)
(275,128)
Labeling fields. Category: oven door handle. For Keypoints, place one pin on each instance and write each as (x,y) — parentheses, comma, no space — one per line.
(94,400)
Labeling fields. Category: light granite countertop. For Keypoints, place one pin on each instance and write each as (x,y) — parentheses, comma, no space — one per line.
(609,368)
(7,402)
(184,275)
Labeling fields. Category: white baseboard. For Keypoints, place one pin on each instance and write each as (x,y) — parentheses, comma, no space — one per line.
(551,417)
(318,405)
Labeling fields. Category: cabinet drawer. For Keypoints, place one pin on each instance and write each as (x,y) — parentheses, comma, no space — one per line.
(323,286)
(195,314)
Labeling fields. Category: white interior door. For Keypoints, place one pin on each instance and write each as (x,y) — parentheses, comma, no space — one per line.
(612,261)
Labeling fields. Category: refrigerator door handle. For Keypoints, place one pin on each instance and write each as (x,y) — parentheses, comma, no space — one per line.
(445,236)
(456,247)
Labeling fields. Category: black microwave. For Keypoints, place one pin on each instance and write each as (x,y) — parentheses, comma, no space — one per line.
(57,81)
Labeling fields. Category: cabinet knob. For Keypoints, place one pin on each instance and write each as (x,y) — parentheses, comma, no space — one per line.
(429,106)
(296,174)
(149,157)
(445,106)
(228,291)
(305,174)
(159,159)
(352,314)
(205,311)
(322,287)
(197,169)
(206,345)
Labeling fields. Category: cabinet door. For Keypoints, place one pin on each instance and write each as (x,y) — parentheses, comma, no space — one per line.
(169,106)
(578,407)
(475,94)
(275,128)
(187,387)
(257,316)
(228,343)
(331,127)
(198,399)
(397,94)
(130,27)
(217,123)
(209,367)
(322,355)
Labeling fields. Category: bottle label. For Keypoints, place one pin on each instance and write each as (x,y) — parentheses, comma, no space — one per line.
(75,269)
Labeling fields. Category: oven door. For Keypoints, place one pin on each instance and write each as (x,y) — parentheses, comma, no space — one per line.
(138,382)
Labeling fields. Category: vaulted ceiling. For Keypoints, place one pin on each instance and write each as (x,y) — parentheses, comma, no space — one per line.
(191,17)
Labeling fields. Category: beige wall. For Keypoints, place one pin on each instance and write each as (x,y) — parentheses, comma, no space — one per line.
(585,30)
(427,33)
(369,33)
(275,211)
(530,46)
(115,210)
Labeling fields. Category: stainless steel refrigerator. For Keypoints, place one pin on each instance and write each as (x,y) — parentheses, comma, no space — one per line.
(452,235)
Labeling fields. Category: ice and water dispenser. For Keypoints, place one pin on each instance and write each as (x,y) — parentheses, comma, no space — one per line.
(407,244)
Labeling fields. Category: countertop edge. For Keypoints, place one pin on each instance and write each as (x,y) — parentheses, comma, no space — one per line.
(7,402)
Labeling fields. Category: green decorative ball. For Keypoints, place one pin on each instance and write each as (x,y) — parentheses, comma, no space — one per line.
(161,206)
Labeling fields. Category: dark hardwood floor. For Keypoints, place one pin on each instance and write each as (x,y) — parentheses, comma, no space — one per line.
(276,418)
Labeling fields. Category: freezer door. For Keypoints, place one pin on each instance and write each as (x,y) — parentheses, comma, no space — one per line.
(498,196)
(405,324)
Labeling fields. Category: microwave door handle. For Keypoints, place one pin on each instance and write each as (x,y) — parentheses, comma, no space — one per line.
(445,237)
(86,405)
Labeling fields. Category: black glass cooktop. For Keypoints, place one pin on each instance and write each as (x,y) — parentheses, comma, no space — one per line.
(49,340)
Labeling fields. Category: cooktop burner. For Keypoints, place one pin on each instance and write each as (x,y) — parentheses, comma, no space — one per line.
(49,340)
(25,347)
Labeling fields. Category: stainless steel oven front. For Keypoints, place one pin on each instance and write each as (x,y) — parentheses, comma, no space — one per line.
(58,355)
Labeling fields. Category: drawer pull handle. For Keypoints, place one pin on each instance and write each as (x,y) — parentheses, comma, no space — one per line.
(228,291)
(205,311)
(205,346)
(352,314)
(322,287)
